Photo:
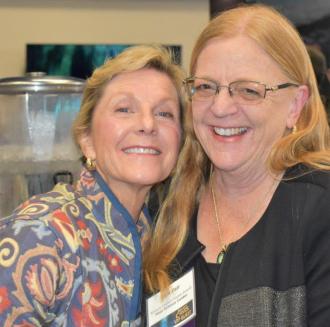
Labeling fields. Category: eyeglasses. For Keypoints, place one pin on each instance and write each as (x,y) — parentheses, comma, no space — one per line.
(243,92)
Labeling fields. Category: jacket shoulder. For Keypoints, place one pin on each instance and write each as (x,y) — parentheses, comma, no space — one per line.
(42,205)
(307,175)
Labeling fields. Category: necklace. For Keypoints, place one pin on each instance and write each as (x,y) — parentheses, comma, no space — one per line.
(225,247)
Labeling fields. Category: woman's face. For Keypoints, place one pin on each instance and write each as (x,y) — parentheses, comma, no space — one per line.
(135,131)
(239,137)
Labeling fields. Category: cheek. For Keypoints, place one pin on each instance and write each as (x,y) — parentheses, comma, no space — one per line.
(199,117)
(106,131)
(199,128)
(278,116)
(277,107)
(172,137)
(263,115)
(177,138)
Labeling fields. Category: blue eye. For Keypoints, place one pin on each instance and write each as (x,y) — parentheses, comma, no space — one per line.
(205,86)
(165,114)
(249,91)
(122,109)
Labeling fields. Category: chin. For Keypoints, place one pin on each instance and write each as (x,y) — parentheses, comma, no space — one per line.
(227,166)
(147,180)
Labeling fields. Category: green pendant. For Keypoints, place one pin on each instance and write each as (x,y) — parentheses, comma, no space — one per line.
(221,256)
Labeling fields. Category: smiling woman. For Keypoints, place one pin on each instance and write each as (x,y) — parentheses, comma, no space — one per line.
(135,134)
(73,256)
(249,204)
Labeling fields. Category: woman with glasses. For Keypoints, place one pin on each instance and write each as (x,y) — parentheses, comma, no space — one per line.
(249,204)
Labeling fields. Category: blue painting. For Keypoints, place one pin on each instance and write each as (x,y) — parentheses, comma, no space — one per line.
(76,60)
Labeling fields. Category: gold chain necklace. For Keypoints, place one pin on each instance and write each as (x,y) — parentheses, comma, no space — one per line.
(225,247)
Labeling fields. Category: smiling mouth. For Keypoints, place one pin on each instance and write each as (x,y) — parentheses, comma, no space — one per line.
(230,131)
(142,150)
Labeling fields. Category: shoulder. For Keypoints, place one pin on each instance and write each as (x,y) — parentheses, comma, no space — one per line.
(46,218)
(310,188)
(42,205)
(309,191)
(303,202)
(41,246)
(304,175)
(43,226)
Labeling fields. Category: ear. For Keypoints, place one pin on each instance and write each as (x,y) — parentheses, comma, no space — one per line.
(87,147)
(297,105)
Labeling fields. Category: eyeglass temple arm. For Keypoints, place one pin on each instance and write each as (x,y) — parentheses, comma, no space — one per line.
(281,86)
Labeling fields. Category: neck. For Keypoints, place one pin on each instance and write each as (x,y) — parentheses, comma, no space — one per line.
(232,186)
(131,196)
(230,207)
(132,200)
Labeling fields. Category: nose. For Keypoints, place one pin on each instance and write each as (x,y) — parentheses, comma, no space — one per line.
(223,103)
(147,122)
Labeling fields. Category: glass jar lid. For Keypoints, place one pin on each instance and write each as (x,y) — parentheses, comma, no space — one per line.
(40,82)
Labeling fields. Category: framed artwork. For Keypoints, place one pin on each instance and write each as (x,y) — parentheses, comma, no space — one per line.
(76,60)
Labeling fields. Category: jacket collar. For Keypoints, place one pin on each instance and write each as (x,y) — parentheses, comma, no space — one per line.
(190,250)
(95,189)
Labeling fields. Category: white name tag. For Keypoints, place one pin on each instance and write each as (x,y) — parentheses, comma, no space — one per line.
(177,308)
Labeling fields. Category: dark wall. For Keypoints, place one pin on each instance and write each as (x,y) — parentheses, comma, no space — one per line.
(217,6)
(312,18)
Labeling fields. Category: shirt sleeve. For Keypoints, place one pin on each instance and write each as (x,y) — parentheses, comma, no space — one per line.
(35,276)
(317,264)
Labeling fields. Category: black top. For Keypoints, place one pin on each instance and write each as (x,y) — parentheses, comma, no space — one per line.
(278,274)
(207,273)
(207,276)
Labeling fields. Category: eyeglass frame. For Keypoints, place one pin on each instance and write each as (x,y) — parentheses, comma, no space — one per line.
(219,86)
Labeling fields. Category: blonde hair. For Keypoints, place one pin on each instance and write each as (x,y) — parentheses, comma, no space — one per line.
(309,145)
(132,59)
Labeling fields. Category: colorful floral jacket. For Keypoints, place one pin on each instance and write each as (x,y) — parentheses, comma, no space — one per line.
(71,257)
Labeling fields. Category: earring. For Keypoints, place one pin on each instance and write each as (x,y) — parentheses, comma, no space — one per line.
(294,129)
(90,164)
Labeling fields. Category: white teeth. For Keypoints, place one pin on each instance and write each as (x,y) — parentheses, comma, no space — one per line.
(141,150)
(230,131)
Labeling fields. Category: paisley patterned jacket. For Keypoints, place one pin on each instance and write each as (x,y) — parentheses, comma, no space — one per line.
(71,257)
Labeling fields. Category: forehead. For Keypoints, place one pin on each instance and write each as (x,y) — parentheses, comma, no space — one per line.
(142,76)
(142,84)
(240,57)
(146,85)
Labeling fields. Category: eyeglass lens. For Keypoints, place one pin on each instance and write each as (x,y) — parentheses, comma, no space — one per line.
(242,91)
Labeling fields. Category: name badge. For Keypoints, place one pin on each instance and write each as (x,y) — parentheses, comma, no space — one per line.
(178,308)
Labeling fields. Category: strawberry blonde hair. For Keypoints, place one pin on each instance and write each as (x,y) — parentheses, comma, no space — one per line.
(309,145)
